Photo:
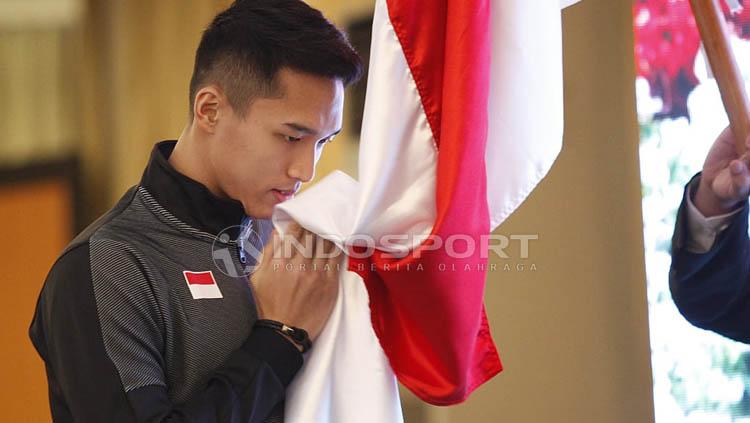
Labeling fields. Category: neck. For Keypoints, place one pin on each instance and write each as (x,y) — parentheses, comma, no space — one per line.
(189,158)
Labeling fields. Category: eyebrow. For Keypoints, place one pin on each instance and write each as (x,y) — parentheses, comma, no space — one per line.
(308,131)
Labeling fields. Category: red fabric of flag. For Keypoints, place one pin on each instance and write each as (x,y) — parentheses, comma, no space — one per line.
(427,308)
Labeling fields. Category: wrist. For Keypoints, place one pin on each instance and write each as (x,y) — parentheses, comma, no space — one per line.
(296,345)
(297,336)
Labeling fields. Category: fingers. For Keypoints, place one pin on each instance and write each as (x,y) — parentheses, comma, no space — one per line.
(276,248)
(294,230)
(725,143)
(316,247)
(311,251)
(271,249)
(317,258)
(740,176)
(746,158)
(295,233)
(336,254)
(334,265)
(727,134)
(327,251)
(727,139)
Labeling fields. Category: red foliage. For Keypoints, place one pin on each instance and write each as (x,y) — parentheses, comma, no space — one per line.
(666,43)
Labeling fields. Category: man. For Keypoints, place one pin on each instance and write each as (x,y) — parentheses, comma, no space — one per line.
(137,320)
(710,273)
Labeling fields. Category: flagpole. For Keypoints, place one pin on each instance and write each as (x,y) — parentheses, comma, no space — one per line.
(710,20)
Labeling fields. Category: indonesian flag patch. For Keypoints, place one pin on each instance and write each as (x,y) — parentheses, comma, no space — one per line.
(202,284)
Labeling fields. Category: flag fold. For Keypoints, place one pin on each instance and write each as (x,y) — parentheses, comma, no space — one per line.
(463,117)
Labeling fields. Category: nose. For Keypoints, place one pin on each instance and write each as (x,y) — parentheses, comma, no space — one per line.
(302,167)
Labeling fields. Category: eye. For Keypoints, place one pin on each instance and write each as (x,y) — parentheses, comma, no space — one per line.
(291,138)
(326,140)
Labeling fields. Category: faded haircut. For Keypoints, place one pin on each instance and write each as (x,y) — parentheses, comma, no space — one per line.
(246,45)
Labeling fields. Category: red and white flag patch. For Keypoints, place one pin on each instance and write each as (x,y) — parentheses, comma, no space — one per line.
(202,284)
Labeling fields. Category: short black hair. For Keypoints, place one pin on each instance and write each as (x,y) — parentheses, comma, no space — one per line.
(246,45)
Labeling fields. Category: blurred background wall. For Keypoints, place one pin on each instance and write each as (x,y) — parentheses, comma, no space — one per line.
(89,85)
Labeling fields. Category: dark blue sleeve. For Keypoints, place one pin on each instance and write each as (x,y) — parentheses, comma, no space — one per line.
(712,289)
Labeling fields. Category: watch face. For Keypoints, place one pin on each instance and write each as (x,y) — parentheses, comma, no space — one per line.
(298,336)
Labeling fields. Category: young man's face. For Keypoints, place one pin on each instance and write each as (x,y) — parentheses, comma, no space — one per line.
(263,159)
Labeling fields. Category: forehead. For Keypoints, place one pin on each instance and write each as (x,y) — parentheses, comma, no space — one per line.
(309,100)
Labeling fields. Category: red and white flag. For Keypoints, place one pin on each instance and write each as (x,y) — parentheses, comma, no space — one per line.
(202,285)
(463,117)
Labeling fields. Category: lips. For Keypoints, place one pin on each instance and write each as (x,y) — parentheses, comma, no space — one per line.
(283,195)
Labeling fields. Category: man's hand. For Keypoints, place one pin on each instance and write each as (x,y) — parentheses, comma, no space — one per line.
(297,290)
(725,181)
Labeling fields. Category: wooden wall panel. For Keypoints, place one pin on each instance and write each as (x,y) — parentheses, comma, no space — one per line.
(35,225)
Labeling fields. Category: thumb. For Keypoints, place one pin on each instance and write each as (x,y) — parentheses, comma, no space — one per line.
(740,176)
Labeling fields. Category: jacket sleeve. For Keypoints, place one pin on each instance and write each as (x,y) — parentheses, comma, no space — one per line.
(85,384)
(712,289)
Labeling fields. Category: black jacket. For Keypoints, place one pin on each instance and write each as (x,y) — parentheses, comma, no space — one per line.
(129,334)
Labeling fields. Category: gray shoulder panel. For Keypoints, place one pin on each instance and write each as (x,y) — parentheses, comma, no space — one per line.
(131,323)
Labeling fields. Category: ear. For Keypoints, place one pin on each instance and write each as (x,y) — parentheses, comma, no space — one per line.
(209,102)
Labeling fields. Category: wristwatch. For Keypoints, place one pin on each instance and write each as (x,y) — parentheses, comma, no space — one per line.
(298,335)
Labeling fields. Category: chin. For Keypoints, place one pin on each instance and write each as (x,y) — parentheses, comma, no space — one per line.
(259,214)
(262,212)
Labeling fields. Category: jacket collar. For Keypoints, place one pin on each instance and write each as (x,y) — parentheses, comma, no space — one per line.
(189,200)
